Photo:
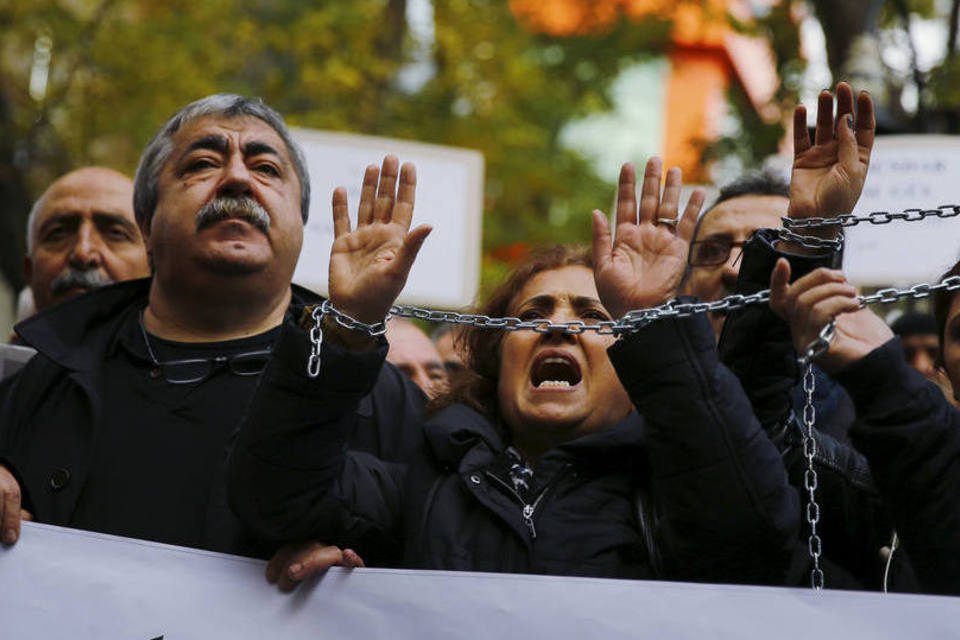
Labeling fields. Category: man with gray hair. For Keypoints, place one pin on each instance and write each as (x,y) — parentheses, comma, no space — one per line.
(124,424)
(81,235)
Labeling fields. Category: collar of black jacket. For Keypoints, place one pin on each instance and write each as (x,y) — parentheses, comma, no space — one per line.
(462,439)
(77,332)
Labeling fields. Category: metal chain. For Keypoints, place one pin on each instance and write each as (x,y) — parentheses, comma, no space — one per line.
(877,217)
(630,322)
(812,242)
(316,341)
(819,346)
(814,544)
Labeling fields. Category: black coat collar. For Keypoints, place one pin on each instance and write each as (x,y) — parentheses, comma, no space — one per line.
(76,333)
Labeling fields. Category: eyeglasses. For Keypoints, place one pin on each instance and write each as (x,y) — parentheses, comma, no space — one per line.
(194,370)
(712,251)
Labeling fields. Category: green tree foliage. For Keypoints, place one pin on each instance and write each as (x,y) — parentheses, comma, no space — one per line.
(119,68)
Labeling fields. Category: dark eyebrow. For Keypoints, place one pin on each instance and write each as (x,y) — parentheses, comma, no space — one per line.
(59,218)
(539,301)
(103,217)
(546,300)
(256,147)
(213,142)
(585,301)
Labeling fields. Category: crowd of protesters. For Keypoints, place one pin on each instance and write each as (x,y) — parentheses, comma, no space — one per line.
(184,391)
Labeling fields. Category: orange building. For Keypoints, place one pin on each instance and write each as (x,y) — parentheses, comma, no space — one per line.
(706,57)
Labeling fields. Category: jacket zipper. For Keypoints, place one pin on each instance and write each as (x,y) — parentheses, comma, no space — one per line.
(528,509)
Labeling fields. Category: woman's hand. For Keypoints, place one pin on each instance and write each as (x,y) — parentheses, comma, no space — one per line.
(369,265)
(643,265)
(813,301)
(828,175)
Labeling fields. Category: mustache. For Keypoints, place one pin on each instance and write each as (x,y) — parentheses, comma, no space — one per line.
(72,278)
(243,208)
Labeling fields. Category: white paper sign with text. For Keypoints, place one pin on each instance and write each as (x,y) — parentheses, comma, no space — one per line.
(907,172)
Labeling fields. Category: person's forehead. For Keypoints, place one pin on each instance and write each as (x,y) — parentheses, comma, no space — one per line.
(88,193)
(409,344)
(574,281)
(238,131)
(743,215)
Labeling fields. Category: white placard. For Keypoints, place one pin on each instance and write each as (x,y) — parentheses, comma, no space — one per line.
(66,583)
(449,197)
(907,172)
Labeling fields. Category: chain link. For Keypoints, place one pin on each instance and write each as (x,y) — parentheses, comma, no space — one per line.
(316,341)
(631,321)
(812,242)
(877,217)
(819,346)
(814,544)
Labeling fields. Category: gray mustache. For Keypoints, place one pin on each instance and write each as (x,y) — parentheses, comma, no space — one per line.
(243,208)
(72,278)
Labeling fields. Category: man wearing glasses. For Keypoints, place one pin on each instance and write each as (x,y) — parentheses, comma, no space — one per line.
(123,424)
(754,201)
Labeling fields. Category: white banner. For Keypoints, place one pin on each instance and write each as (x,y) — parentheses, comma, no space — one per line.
(66,583)
(907,172)
(449,197)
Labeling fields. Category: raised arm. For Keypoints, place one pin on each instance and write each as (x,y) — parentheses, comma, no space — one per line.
(291,476)
(725,510)
(905,427)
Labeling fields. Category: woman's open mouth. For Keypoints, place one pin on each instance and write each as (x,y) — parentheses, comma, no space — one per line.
(555,370)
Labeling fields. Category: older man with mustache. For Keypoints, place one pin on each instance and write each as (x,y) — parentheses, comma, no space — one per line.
(81,235)
(123,424)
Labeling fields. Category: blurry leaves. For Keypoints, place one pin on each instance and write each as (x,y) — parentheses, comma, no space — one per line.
(119,68)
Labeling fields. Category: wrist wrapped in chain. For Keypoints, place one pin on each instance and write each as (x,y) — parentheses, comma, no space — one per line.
(344,320)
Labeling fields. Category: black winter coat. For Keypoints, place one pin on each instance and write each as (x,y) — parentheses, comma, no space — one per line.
(757,345)
(693,490)
(49,411)
(911,436)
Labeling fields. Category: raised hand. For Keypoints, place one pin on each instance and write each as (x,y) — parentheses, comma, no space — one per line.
(813,301)
(828,175)
(643,265)
(369,265)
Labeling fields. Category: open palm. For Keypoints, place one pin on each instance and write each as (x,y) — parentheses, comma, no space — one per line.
(643,264)
(369,265)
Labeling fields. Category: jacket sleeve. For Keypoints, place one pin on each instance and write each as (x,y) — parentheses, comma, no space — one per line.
(758,347)
(911,436)
(725,509)
(292,475)
(770,373)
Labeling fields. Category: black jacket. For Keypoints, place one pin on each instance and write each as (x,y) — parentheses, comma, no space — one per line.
(49,411)
(693,490)
(911,436)
(757,345)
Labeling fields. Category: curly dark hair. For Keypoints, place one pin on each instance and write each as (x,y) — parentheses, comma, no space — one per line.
(476,385)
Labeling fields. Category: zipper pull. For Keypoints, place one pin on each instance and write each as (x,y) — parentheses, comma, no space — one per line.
(528,518)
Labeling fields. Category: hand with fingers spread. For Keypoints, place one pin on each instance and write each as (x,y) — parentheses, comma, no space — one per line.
(813,301)
(295,563)
(369,264)
(828,175)
(11,513)
(643,264)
